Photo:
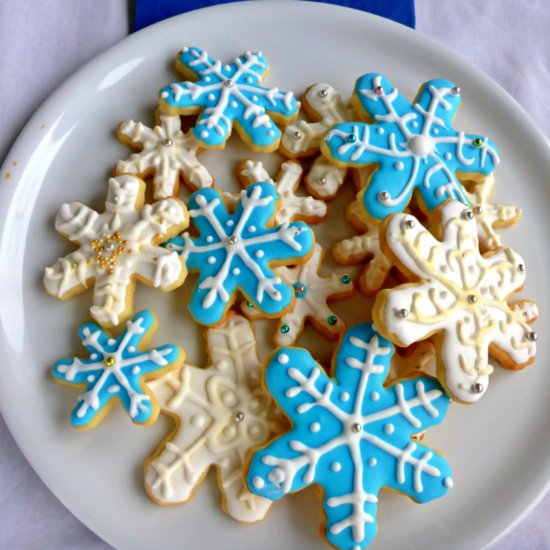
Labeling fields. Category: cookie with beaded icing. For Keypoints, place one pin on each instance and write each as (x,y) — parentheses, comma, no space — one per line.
(228,96)
(292,206)
(220,413)
(351,435)
(116,248)
(117,369)
(164,152)
(414,146)
(313,295)
(237,252)
(456,296)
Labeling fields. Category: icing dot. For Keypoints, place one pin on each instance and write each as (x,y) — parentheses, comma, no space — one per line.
(236,271)
(283,359)
(206,78)
(230,223)
(255,431)
(136,370)
(259,254)
(372,462)
(251,228)
(315,427)
(344,396)
(448,156)
(211,259)
(204,134)
(230,431)
(435,131)
(258,482)
(249,79)
(277,475)
(132,348)
(448,482)
(164,95)
(211,97)
(234,104)
(335,466)
(95,356)
(414,124)
(399,165)
(111,341)
(222,365)
(270,133)
(229,398)
(380,130)
(114,388)
(198,420)
(375,396)
(209,239)
(254,98)
(389,428)
(227,67)
(90,378)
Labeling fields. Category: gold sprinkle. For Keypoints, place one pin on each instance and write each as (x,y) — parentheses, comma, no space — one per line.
(7,175)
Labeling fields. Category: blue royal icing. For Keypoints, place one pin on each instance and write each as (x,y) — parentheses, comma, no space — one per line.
(415,146)
(114,370)
(229,94)
(235,250)
(351,435)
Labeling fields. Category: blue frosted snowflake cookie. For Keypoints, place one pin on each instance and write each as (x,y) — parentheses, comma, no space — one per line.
(229,95)
(351,435)
(238,250)
(116,368)
(415,146)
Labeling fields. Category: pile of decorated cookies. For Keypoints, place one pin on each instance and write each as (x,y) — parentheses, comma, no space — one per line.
(422,210)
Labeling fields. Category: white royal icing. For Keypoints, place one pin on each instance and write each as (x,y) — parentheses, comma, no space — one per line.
(116,247)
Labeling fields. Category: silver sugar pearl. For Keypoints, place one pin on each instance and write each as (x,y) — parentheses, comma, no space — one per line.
(297,135)
(521,267)
(533,336)
(322,181)
(232,239)
(403,313)
(229,84)
(301,289)
(383,195)
(168,142)
(239,416)
(477,387)
(109,247)
(478,209)
(472,298)
(468,215)
(356,427)
(323,92)
(455,90)
(409,224)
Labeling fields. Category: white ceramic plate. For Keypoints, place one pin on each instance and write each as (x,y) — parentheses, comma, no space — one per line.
(499,449)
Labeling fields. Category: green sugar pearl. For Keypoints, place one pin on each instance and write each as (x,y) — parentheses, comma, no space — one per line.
(477,142)
(285,329)
(332,320)
(346,279)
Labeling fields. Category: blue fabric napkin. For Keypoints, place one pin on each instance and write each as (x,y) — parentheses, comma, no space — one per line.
(152,11)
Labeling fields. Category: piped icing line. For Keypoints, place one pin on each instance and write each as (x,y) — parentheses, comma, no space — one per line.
(221,412)
(292,207)
(458,296)
(414,146)
(324,106)
(115,370)
(313,293)
(165,152)
(227,96)
(238,251)
(351,435)
(364,247)
(117,247)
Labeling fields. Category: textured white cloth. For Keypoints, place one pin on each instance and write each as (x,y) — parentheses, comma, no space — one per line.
(43,42)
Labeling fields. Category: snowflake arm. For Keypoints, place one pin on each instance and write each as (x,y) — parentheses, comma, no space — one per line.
(116,248)
(164,151)
(221,413)
(351,435)
(115,369)
(234,251)
(227,95)
(461,299)
(414,146)
(292,206)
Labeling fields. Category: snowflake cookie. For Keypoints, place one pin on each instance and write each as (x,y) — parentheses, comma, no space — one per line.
(117,247)
(351,435)
(117,368)
(164,151)
(414,146)
(237,251)
(228,95)
(460,299)
(361,248)
(313,293)
(221,412)
(293,207)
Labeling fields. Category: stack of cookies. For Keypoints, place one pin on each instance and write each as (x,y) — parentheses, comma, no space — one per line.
(443,287)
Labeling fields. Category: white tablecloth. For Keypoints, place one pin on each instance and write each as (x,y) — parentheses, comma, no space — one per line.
(43,42)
